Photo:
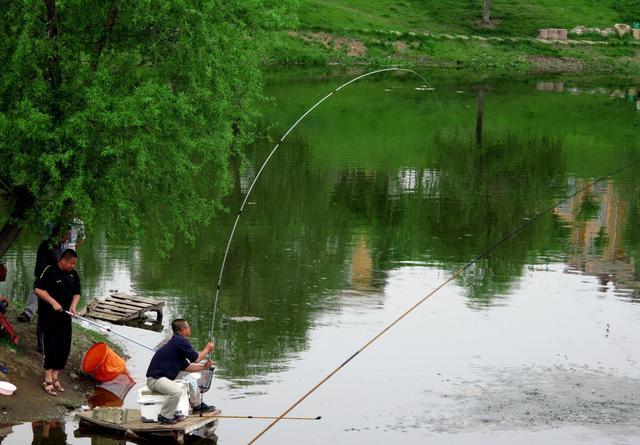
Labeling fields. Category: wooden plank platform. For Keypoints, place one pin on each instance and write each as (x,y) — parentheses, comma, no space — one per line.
(128,422)
(119,308)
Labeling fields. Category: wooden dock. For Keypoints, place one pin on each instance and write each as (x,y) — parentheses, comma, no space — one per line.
(124,309)
(128,423)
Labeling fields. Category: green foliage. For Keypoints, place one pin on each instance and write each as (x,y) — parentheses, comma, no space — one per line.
(118,106)
(629,10)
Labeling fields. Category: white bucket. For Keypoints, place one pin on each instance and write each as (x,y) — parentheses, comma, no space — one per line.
(151,402)
(6,388)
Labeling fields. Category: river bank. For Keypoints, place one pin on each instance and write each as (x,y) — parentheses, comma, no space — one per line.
(474,53)
(30,403)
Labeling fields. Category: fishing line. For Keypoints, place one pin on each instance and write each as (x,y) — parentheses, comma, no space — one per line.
(453,277)
(108,329)
(266,161)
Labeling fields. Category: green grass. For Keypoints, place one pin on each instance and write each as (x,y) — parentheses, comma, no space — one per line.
(435,51)
(516,17)
(412,33)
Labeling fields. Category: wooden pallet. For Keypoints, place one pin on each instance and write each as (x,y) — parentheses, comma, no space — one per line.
(119,308)
(128,422)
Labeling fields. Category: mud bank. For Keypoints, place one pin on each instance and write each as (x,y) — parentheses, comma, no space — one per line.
(30,403)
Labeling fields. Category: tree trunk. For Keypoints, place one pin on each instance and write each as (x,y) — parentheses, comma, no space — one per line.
(8,235)
(108,28)
(23,201)
(485,12)
(52,72)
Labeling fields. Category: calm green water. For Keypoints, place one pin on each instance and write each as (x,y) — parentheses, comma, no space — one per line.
(372,202)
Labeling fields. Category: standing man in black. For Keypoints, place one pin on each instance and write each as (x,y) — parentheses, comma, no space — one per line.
(58,289)
(48,254)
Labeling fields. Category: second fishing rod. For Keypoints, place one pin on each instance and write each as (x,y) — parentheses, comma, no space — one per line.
(453,277)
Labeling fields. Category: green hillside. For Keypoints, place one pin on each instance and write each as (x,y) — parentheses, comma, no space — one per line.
(449,34)
(514,17)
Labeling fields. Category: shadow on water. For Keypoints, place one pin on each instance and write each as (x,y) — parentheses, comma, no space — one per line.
(104,438)
(46,432)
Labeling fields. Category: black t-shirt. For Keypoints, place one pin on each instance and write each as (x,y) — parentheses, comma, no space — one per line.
(46,256)
(62,286)
(172,358)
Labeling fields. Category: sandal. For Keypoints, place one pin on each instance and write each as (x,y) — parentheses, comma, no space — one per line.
(58,386)
(49,388)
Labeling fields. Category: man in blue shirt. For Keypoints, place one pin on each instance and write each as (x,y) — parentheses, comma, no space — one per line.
(177,356)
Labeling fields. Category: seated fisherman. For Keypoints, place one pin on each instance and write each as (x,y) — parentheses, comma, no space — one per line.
(175,357)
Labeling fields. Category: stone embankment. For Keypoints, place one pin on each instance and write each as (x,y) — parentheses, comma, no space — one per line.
(546,36)
(619,29)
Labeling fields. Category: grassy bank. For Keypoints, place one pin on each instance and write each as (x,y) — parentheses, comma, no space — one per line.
(510,18)
(30,402)
(448,34)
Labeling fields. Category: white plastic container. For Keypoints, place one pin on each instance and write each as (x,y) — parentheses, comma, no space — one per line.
(151,402)
(6,388)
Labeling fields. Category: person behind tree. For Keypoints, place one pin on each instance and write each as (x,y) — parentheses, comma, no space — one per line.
(75,235)
(176,358)
(58,290)
(48,254)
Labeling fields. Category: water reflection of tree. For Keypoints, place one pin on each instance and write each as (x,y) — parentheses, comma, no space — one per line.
(289,251)
(492,189)
(292,246)
(448,216)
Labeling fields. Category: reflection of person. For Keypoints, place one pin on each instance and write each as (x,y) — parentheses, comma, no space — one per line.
(50,432)
(58,289)
(5,430)
(177,357)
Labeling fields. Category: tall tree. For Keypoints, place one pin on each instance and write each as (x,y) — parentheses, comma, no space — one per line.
(486,19)
(120,105)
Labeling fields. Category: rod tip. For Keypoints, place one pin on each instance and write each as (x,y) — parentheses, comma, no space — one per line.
(319,417)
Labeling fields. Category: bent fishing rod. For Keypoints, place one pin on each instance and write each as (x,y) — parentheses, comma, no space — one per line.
(266,161)
(451,278)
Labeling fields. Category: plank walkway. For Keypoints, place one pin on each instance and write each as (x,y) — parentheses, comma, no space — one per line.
(128,423)
(120,308)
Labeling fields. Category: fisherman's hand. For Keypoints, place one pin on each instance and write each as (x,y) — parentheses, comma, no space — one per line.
(56,306)
(209,347)
(73,310)
(208,364)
